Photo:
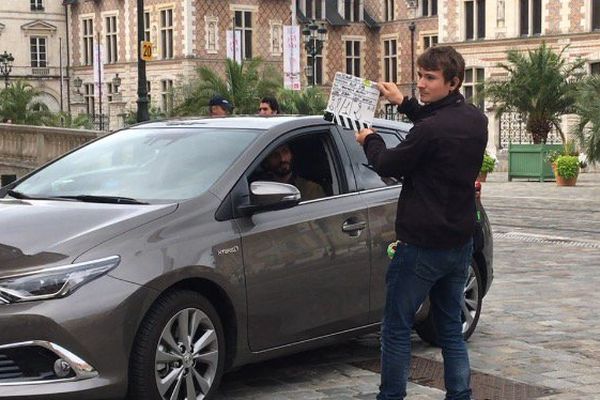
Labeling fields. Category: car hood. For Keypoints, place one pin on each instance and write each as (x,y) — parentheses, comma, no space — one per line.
(46,233)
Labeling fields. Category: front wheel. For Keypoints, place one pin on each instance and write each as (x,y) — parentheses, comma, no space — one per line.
(471,309)
(179,351)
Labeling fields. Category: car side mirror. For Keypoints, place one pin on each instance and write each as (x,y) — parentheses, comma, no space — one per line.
(266,196)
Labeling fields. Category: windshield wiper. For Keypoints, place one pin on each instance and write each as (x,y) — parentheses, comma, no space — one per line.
(102,199)
(18,195)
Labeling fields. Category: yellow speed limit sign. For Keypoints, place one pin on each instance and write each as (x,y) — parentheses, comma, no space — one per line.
(146,50)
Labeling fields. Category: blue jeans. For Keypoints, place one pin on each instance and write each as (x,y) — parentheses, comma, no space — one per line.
(413,273)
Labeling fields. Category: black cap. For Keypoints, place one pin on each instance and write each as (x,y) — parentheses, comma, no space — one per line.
(220,101)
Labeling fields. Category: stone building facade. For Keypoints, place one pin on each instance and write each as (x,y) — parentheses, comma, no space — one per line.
(35,33)
(484,30)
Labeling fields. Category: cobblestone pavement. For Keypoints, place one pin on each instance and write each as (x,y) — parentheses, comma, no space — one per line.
(540,319)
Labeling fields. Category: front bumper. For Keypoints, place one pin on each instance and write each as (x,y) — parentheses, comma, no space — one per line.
(92,331)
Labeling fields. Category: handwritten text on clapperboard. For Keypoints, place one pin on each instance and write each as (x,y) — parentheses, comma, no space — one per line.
(352,101)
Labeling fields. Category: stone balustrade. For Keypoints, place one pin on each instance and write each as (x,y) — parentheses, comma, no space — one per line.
(23,148)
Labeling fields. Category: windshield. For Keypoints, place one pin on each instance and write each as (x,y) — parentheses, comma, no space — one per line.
(153,164)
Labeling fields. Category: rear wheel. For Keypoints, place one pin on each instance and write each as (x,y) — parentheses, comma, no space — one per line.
(471,309)
(179,351)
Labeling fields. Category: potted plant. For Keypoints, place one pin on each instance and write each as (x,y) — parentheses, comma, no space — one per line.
(540,86)
(487,166)
(567,170)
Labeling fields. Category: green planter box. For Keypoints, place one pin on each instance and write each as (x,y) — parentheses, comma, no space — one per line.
(529,161)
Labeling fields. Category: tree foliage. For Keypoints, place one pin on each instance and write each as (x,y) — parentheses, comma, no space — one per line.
(540,86)
(309,101)
(587,107)
(244,85)
(18,103)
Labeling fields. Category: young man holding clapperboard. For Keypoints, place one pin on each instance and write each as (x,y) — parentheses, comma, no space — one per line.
(435,220)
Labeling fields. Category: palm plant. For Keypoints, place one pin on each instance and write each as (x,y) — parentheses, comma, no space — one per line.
(587,107)
(309,101)
(18,103)
(540,86)
(244,85)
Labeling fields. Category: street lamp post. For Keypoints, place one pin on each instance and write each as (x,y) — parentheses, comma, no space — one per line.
(413,84)
(142,91)
(6,60)
(314,38)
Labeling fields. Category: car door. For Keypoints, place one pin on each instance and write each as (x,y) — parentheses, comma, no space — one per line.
(381,196)
(307,267)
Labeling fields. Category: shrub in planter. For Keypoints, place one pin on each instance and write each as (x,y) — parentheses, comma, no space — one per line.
(567,169)
(488,165)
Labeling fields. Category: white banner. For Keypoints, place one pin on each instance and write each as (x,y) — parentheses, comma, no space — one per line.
(234,47)
(98,65)
(291,57)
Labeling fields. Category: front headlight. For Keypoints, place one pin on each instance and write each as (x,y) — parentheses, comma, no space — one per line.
(54,282)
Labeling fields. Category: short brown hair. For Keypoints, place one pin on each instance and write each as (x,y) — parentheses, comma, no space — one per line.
(445,59)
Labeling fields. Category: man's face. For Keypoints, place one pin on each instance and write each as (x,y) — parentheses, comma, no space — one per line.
(265,109)
(217,111)
(432,86)
(279,162)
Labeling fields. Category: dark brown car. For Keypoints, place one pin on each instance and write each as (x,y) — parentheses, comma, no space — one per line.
(150,261)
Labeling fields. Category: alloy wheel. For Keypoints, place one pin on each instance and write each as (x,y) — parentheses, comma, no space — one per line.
(187,356)
(471,303)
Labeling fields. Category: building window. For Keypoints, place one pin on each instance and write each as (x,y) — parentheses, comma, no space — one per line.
(276,39)
(112,51)
(474,19)
(595,68)
(110,91)
(429,8)
(167,95)
(88,95)
(390,8)
(429,41)
(595,15)
(352,10)
(390,60)
(353,57)
(88,41)
(317,69)
(212,26)
(147,27)
(243,23)
(37,5)
(313,9)
(473,85)
(166,33)
(38,51)
(530,17)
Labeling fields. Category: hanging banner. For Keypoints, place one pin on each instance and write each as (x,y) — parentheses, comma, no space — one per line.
(98,64)
(234,46)
(291,57)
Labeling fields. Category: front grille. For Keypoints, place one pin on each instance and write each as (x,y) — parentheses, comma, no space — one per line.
(9,370)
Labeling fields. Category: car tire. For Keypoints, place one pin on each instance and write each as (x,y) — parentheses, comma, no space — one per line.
(471,310)
(165,359)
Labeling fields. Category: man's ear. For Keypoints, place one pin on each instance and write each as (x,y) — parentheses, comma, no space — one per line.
(454,83)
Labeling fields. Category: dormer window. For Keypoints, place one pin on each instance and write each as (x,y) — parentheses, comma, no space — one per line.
(353,10)
(313,9)
(37,5)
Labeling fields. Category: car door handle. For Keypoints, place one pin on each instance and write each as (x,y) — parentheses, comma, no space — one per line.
(353,226)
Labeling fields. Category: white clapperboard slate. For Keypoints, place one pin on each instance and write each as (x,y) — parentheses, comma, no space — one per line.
(352,102)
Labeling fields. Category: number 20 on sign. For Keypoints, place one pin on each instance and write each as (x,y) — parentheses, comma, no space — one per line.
(146,51)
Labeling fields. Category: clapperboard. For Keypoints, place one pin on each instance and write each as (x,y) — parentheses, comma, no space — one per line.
(352,102)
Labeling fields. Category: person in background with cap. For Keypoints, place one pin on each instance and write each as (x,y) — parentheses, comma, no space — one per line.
(219,107)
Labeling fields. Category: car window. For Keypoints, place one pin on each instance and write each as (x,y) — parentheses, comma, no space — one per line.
(307,161)
(146,164)
(366,177)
